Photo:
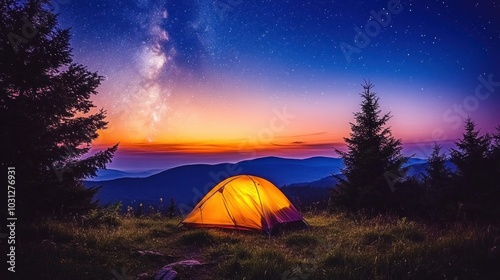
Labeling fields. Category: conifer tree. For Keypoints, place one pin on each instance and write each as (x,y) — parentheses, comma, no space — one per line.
(494,162)
(373,155)
(437,178)
(47,120)
(470,157)
(495,151)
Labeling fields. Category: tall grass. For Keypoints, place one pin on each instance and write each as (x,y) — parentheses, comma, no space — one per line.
(335,247)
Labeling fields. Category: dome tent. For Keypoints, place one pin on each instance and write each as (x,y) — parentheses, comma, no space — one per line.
(244,202)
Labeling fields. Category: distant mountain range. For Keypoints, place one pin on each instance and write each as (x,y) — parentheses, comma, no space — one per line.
(110,174)
(187,184)
(304,181)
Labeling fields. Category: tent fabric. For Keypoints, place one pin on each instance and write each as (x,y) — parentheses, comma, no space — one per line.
(243,202)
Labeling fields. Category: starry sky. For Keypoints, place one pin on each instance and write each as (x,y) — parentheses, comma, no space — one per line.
(213,81)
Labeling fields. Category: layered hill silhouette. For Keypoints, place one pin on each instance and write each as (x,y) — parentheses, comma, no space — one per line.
(110,174)
(304,181)
(187,184)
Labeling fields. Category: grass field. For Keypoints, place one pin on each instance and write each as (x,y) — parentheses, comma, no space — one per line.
(335,247)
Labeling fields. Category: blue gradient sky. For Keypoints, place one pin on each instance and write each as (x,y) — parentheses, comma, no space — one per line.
(201,81)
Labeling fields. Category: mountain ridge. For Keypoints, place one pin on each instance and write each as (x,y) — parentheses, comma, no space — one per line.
(187,184)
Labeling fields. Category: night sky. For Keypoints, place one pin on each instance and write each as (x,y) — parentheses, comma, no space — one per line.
(212,81)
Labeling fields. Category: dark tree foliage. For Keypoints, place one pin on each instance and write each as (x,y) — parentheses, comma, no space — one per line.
(495,153)
(373,161)
(172,208)
(410,196)
(437,175)
(473,179)
(47,120)
(437,181)
(495,166)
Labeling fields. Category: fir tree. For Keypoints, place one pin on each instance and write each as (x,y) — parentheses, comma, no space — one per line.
(437,178)
(373,160)
(494,162)
(437,175)
(47,119)
(470,157)
(495,151)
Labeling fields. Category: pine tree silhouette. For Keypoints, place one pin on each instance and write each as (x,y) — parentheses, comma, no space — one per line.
(437,179)
(470,159)
(494,162)
(372,153)
(47,120)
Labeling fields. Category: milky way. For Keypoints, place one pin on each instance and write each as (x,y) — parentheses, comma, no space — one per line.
(154,58)
(201,71)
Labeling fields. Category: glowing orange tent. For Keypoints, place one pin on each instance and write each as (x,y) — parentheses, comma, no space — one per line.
(243,202)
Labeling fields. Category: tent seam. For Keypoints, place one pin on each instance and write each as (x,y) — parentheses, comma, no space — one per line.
(260,201)
(203,201)
(227,210)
